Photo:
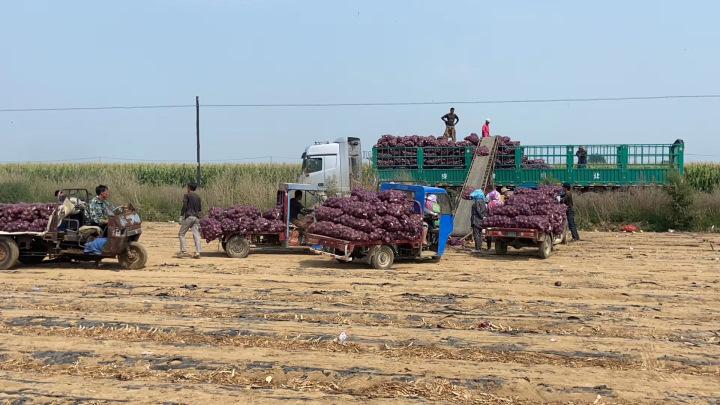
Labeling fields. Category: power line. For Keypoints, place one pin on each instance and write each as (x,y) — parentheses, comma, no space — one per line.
(410,103)
(700,154)
(370,104)
(119,107)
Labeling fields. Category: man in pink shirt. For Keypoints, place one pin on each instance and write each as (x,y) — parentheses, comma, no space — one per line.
(486,128)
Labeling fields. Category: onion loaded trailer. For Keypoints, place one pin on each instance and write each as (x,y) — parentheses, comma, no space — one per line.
(381,255)
(520,238)
(65,237)
(239,245)
(608,165)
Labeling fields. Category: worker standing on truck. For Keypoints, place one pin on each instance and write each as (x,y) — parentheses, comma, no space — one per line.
(674,151)
(582,157)
(567,199)
(477,214)
(450,119)
(486,128)
(190,221)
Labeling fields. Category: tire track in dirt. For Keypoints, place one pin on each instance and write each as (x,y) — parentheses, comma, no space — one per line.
(631,324)
(405,350)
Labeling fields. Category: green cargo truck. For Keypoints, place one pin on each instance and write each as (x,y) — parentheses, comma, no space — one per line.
(607,165)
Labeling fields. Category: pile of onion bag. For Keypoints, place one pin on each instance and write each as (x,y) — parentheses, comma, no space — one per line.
(367,216)
(530,209)
(23,217)
(440,153)
(242,220)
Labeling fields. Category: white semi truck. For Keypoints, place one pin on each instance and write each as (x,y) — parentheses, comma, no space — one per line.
(335,165)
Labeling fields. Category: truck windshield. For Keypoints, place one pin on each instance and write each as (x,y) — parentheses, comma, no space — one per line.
(355,167)
(311,165)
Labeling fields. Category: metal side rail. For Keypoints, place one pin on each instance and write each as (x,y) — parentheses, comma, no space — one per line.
(479,176)
(322,251)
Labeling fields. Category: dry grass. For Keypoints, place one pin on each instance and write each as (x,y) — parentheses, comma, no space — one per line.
(433,390)
(403,350)
(650,208)
(156,190)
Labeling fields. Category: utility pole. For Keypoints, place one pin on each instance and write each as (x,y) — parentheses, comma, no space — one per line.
(197,137)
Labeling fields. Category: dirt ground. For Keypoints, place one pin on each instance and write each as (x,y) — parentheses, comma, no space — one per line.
(617,318)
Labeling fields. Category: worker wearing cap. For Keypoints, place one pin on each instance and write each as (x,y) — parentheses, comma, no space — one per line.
(504,194)
(477,215)
(567,199)
(450,119)
(486,128)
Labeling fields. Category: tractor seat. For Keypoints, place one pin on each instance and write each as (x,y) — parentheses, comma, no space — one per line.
(90,230)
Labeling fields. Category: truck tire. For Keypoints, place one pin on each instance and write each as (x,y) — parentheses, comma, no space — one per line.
(134,258)
(383,258)
(31,260)
(500,247)
(9,253)
(545,248)
(237,247)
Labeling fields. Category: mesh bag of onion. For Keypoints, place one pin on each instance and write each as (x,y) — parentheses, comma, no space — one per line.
(367,216)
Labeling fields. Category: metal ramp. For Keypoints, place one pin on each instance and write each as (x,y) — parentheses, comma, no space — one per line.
(479,176)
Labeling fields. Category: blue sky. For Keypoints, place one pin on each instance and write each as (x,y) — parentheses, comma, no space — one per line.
(91,53)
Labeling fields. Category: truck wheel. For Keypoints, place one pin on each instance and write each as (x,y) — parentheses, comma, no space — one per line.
(30,260)
(383,258)
(134,258)
(500,247)
(545,248)
(9,253)
(237,247)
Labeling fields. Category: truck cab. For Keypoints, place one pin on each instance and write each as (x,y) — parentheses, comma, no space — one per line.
(335,165)
(311,196)
(438,235)
(290,238)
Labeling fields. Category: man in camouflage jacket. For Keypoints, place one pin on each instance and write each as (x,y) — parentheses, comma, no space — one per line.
(99,209)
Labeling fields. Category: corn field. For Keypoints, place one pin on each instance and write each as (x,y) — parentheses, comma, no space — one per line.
(156,189)
(703,176)
(154,174)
